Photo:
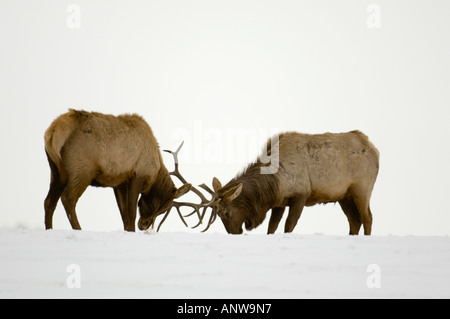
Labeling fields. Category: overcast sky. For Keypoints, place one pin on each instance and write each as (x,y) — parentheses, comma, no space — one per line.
(224,76)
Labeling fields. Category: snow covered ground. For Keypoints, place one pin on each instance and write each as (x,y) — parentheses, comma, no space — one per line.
(44,264)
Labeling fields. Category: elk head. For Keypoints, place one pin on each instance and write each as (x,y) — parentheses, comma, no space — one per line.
(158,201)
(237,205)
(232,215)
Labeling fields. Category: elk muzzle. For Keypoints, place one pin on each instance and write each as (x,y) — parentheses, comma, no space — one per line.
(234,228)
(145,223)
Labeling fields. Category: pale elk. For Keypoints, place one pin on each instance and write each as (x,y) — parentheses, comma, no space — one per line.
(89,148)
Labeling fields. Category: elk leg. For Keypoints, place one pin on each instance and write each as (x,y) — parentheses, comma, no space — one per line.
(54,194)
(295,210)
(362,203)
(370,220)
(74,189)
(277,213)
(351,211)
(134,188)
(121,193)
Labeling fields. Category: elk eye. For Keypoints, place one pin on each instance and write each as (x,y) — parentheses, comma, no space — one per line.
(227,215)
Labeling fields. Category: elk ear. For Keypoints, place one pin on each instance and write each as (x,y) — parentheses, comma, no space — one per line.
(183,190)
(216,184)
(232,193)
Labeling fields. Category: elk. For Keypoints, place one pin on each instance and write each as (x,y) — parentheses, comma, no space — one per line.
(311,169)
(89,148)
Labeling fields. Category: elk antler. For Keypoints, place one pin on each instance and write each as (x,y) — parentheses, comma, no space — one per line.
(204,204)
(214,208)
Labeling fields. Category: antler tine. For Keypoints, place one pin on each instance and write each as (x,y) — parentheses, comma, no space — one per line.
(176,172)
(206,188)
(178,175)
(205,203)
(167,214)
(163,220)
(212,219)
(211,204)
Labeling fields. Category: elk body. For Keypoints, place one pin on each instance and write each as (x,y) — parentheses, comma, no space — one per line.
(312,169)
(121,152)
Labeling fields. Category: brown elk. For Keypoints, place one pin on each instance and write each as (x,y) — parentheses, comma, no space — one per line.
(121,152)
(310,169)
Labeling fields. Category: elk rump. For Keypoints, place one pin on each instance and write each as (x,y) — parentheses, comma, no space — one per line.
(311,169)
(89,148)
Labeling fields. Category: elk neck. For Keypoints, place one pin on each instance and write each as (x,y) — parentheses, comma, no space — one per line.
(163,183)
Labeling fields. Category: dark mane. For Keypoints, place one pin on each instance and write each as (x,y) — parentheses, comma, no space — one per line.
(259,192)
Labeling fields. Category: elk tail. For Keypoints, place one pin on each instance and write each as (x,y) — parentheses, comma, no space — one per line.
(57,135)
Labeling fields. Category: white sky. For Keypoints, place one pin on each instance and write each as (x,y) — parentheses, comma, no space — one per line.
(207,70)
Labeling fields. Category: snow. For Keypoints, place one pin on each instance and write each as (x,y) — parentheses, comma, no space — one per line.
(38,263)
